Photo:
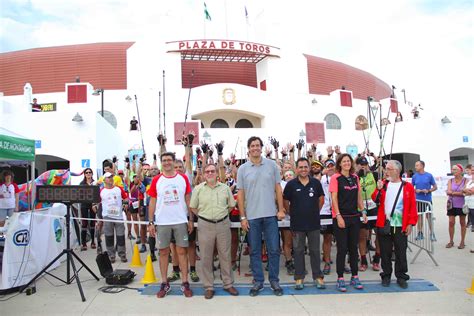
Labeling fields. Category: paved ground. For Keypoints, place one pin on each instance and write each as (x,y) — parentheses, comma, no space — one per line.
(452,277)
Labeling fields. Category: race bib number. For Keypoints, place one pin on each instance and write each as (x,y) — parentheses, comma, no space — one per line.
(171,195)
(370,204)
(135,204)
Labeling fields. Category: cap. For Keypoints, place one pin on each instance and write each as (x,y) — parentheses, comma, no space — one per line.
(108,175)
(362,161)
(329,162)
(120,171)
(317,162)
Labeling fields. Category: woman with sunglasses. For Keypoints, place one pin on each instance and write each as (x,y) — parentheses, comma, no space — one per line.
(346,202)
(87,212)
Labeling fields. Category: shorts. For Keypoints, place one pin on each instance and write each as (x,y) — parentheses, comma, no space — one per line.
(165,232)
(137,210)
(455,211)
(326,229)
(4,212)
(371,223)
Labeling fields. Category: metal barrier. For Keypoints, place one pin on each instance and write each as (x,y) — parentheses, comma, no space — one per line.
(423,235)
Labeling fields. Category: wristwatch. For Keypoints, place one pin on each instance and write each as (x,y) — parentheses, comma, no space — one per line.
(243,218)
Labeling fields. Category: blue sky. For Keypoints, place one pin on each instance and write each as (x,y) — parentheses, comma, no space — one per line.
(404,42)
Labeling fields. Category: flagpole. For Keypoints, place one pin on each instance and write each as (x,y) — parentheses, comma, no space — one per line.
(226,29)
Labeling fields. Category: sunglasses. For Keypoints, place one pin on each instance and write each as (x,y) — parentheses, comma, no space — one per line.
(88,172)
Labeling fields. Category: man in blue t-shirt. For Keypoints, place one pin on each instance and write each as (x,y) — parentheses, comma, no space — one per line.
(424,184)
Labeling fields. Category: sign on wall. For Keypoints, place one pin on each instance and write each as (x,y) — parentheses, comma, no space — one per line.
(180,129)
(315,133)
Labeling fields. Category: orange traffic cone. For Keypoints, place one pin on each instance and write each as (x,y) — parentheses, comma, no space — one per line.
(471,290)
(149,276)
(136,260)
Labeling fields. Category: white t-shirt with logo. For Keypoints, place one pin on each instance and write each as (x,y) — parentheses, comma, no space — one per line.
(170,194)
(326,209)
(7,195)
(112,202)
(392,190)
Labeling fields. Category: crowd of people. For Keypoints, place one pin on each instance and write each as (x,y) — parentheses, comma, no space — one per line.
(332,196)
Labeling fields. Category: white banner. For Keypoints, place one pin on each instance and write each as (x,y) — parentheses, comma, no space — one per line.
(31,242)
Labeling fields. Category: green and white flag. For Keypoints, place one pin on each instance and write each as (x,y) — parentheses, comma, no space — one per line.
(206,13)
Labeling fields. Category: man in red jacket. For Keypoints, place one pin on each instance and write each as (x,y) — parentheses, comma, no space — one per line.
(400,209)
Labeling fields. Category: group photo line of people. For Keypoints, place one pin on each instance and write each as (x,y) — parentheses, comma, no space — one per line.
(367,200)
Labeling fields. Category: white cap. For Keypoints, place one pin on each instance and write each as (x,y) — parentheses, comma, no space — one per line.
(108,175)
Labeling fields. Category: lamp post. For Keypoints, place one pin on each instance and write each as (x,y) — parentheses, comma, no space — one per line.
(100,92)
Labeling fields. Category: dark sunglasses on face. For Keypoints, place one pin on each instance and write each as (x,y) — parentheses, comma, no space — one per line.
(88,172)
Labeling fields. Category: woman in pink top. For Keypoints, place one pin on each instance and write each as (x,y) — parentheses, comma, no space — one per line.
(456,196)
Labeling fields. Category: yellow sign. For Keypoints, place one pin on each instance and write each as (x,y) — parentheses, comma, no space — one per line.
(48,107)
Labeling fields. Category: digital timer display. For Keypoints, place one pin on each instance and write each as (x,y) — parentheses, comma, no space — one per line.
(68,193)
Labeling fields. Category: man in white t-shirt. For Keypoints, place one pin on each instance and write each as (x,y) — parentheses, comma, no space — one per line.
(170,193)
(112,198)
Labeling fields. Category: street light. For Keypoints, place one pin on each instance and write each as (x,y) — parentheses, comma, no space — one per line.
(77,118)
(100,92)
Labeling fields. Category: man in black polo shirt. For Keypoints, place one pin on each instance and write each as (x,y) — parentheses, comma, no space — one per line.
(302,198)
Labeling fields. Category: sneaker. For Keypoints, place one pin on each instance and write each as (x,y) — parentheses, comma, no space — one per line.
(264,258)
(320,283)
(174,276)
(138,241)
(347,269)
(341,285)
(123,259)
(194,276)
(153,257)
(112,259)
(277,290)
(363,267)
(402,283)
(186,289)
(256,288)
(290,268)
(142,248)
(299,284)
(419,236)
(327,268)
(355,282)
(385,281)
(433,237)
(376,266)
(83,247)
(165,288)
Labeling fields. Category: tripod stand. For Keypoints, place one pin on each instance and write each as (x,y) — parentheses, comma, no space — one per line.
(69,261)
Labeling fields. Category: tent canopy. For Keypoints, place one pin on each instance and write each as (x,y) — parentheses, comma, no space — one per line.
(14,147)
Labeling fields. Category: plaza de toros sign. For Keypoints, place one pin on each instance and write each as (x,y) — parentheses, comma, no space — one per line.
(229,45)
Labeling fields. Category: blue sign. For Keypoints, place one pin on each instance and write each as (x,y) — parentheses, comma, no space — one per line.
(86,163)
(465,139)
(37,144)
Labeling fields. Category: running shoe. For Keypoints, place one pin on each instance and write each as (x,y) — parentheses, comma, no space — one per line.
(419,236)
(433,237)
(277,290)
(290,268)
(341,285)
(363,267)
(165,288)
(174,276)
(142,248)
(194,276)
(186,289)
(376,266)
(320,283)
(256,288)
(299,284)
(327,268)
(355,282)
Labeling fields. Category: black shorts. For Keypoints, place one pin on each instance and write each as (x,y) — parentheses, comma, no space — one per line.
(371,223)
(326,229)
(455,211)
(138,210)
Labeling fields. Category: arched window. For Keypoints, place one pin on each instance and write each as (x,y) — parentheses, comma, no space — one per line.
(332,121)
(219,123)
(202,124)
(243,123)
